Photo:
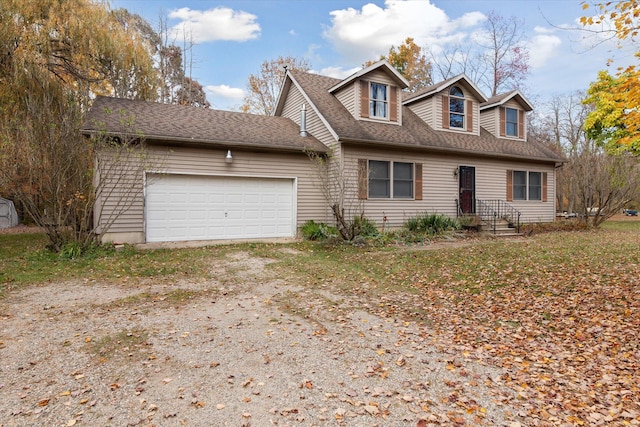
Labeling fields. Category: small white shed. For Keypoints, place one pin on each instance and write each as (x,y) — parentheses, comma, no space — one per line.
(8,214)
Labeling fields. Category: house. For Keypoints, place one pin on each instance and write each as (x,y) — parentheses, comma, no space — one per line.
(229,175)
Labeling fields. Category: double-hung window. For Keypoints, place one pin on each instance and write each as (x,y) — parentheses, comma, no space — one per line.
(535,186)
(379,101)
(456,108)
(527,185)
(511,122)
(390,180)
(519,185)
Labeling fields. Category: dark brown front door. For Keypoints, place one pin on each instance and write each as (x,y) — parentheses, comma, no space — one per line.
(467,189)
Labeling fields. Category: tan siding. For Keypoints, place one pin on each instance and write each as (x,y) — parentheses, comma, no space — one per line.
(424,110)
(440,186)
(379,76)
(347,97)
(310,203)
(315,126)
(489,120)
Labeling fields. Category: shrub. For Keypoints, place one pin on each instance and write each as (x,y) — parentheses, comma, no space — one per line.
(366,226)
(431,224)
(312,230)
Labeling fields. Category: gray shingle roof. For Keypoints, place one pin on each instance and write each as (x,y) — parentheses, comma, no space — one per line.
(190,125)
(414,132)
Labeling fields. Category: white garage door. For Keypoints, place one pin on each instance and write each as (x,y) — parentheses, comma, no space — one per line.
(186,207)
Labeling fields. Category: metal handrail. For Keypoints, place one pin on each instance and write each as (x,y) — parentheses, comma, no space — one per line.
(494,210)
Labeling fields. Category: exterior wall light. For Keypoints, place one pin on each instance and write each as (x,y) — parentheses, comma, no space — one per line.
(229,157)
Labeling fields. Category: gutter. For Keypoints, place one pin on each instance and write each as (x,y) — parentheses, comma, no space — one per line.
(445,150)
(164,140)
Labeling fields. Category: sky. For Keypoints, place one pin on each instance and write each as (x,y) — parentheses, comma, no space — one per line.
(232,38)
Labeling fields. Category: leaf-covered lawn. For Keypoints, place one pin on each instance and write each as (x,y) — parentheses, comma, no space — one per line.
(560,312)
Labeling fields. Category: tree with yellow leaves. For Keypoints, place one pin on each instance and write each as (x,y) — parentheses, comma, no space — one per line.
(615,122)
(411,62)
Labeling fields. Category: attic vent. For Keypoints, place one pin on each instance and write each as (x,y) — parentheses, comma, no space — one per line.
(303,120)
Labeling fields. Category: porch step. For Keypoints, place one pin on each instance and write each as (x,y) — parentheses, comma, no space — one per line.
(502,229)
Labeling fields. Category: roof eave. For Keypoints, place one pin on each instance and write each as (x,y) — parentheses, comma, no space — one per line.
(163,139)
(446,150)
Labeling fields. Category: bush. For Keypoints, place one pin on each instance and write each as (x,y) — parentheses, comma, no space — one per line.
(431,224)
(312,230)
(366,226)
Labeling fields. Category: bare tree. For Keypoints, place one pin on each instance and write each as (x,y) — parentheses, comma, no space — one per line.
(338,191)
(605,184)
(592,183)
(264,87)
(495,57)
(120,160)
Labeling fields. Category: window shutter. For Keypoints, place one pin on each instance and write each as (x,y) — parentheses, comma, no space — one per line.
(503,122)
(509,186)
(469,115)
(363,179)
(393,104)
(364,98)
(544,186)
(445,111)
(520,124)
(418,182)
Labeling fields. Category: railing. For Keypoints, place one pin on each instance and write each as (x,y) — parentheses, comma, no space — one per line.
(492,211)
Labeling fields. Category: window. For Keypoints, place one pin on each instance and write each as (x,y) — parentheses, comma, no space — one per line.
(379,182)
(512,122)
(378,104)
(519,185)
(535,186)
(381,186)
(402,180)
(526,185)
(456,108)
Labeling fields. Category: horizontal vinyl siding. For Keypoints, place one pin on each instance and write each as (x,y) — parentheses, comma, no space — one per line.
(441,187)
(536,211)
(347,97)
(424,110)
(315,126)
(197,161)
(120,204)
(489,120)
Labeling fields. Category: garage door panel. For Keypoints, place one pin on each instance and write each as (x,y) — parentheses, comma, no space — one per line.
(207,208)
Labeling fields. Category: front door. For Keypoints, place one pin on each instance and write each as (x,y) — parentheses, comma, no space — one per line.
(467,189)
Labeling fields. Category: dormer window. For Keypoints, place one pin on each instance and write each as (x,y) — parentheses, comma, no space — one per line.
(512,122)
(379,101)
(456,108)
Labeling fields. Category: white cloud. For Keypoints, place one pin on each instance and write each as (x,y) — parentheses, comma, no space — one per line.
(224,91)
(365,34)
(337,72)
(542,48)
(220,23)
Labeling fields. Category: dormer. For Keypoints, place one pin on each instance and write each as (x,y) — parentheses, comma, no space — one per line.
(373,93)
(451,105)
(505,115)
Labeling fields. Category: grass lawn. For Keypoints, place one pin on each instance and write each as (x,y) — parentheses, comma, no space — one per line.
(557,311)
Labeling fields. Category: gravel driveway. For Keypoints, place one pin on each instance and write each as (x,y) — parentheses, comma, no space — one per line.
(245,349)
